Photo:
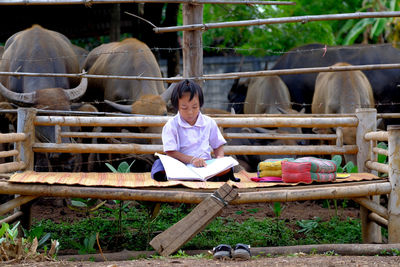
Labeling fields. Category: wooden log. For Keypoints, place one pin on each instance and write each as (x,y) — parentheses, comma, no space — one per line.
(304,122)
(380,167)
(12,167)
(377,136)
(280,194)
(110,135)
(394,179)
(381,151)
(9,153)
(14,203)
(12,218)
(183,231)
(12,137)
(192,48)
(372,206)
(378,219)
(229,150)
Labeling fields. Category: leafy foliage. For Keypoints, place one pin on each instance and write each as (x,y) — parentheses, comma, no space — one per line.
(261,40)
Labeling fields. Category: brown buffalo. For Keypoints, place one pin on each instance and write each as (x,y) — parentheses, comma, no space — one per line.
(340,93)
(129,57)
(266,95)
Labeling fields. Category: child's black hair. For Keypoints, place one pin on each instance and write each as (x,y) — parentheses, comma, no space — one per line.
(186,86)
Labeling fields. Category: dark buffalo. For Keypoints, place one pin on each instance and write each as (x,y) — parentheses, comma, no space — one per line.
(39,50)
(384,82)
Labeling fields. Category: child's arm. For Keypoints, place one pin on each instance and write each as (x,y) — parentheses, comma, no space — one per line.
(219,152)
(198,162)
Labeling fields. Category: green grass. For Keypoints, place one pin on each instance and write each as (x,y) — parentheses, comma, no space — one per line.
(137,228)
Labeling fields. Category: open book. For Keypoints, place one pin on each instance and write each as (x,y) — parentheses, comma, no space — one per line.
(177,170)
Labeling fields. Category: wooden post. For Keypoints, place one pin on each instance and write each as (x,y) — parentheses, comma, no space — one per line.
(183,231)
(26,117)
(394,178)
(371,232)
(192,42)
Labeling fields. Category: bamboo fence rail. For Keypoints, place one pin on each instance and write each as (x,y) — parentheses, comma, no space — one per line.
(9,153)
(12,167)
(302,19)
(218,76)
(12,218)
(229,150)
(12,137)
(381,151)
(225,135)
(286,194)
(222,122)
(91,2)
(380,167)
(377,136)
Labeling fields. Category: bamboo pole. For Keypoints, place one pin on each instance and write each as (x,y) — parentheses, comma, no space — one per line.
(12,218)
(9,153)
(282,194)
(225,135)
(14,203)
(377,136)
(302,19)
(222,122)
(381,151)
(378,219)
(229,150)
(91,2)
(12,167)
(372,206)
(219,76)
(380,167)
(12,137)
(394,179)
(389,115)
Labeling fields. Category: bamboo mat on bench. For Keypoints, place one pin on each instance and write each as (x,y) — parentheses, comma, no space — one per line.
(140,180)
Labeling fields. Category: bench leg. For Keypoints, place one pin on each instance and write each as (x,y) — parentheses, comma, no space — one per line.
(371,232)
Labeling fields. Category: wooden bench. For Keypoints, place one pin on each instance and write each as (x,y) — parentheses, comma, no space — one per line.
(366,193)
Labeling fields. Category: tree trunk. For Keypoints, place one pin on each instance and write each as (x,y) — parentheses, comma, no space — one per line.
(115,24)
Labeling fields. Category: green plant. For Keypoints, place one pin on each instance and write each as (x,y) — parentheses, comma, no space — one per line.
(349,167)
(123,167)
(277,209)
(87,247)
(382,158)
(308,225)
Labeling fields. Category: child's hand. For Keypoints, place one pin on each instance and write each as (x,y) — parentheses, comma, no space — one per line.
(198,162)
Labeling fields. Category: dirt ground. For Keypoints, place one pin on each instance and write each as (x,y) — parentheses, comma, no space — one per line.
(54,209)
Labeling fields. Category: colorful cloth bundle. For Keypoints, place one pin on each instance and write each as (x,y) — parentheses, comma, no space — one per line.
(308,169)
(271,167)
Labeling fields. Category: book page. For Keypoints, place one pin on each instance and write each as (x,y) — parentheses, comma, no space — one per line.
(177,170)
(214,166)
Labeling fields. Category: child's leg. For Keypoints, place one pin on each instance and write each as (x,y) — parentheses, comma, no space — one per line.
(158,172)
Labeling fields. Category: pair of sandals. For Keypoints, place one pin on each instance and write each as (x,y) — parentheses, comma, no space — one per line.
(225,252)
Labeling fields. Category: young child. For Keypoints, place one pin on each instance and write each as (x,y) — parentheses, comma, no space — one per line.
(189,136)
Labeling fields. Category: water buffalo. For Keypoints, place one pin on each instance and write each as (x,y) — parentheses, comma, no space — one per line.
(384,82)
(339,93)
(129,57)
(39,50)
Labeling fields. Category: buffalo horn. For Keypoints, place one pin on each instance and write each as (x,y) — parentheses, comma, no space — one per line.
(166,95)
(78,91)
(120,107)
(24,98)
